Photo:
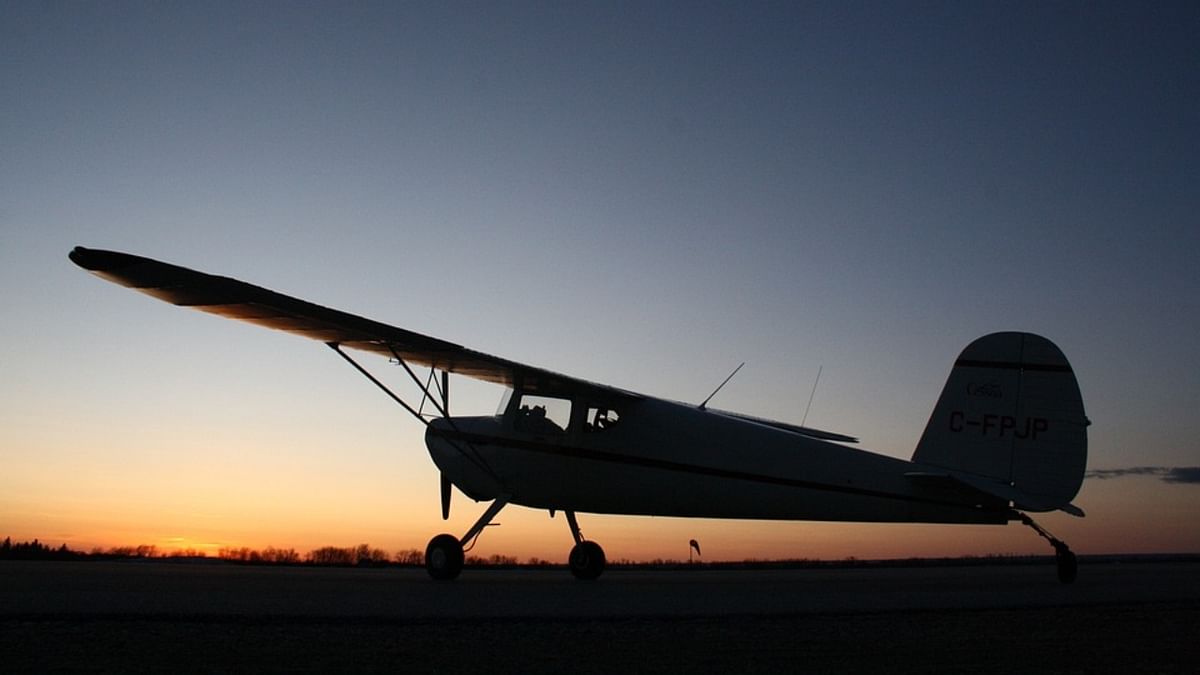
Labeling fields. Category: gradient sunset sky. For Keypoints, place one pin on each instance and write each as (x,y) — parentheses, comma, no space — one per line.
(644,194)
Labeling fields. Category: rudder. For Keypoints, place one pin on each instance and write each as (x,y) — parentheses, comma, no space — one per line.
(1011,412)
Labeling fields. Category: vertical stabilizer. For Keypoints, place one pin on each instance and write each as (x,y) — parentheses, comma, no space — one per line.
(1011,412)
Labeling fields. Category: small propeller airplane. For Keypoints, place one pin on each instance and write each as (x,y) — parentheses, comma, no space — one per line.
(1008,434)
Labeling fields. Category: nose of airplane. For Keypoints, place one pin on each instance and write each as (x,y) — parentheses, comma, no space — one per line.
(461,460)
(435,431)
(438,427)
(440,440)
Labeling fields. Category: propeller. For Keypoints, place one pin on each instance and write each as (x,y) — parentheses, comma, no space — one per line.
(445,497)
(446,409)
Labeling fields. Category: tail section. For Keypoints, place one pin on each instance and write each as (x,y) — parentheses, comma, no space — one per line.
(1011,416)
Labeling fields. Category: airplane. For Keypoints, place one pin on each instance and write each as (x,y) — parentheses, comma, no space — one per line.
(1007,436)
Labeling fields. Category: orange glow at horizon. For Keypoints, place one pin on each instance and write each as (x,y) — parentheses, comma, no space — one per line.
(186,478)
(1115,525)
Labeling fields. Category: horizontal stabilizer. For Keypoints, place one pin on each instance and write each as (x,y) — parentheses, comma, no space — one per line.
(992,488)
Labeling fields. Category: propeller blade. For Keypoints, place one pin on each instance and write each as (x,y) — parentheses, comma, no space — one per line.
(445,497)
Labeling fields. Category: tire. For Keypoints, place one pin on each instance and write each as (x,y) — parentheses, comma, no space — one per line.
(444,557)
(586,560)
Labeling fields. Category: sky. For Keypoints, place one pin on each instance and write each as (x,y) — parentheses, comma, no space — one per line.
(642,194)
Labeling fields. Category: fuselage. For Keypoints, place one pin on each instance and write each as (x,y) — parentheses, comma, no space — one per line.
(670,459)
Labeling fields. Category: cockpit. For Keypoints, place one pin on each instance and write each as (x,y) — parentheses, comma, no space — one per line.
(536,412)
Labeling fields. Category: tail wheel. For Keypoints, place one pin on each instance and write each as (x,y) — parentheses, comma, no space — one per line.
(586,560)
(444,557)
(1064,557)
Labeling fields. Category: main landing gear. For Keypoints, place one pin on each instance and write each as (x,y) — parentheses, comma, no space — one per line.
(444,556)
(1064,557)
(587,558)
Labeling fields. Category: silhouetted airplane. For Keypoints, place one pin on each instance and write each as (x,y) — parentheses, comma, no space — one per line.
(1008,434)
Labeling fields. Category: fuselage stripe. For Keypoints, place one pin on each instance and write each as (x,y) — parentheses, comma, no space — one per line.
(667,465)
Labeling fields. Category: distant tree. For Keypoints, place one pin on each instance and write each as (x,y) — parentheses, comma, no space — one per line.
(236,554)
(332,555)
(494,559)
(410,556)
(362,554)
(375,557)
(35,550)
(140,551)
(280,556)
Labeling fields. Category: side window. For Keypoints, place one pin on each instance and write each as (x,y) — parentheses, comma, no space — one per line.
(601,419)
(542,414)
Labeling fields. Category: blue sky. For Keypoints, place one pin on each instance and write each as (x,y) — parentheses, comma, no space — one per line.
(645,194)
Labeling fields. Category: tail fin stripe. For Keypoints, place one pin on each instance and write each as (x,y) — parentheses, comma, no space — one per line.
(1011,365)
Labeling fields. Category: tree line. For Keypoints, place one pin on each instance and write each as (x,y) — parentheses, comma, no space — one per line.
(362,555)
(35,550)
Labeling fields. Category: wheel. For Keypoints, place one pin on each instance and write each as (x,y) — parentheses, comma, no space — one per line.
(586,560)
(1068,567)
(444,557)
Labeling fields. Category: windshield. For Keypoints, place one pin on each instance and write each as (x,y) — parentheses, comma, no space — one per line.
(504,401)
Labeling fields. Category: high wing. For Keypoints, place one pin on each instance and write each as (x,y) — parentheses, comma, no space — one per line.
(808,432)
(235,299)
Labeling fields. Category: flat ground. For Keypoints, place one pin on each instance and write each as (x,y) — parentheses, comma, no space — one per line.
(105,617)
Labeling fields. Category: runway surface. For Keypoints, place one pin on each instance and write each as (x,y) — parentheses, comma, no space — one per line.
(155,616)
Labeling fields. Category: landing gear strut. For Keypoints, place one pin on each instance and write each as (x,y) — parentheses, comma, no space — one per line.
(587,558)
(444,556)
(1064,557)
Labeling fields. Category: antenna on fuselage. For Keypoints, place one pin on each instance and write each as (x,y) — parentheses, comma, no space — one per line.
(735,370)
(814,393)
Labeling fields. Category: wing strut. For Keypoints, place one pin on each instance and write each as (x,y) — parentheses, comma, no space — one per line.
(337,348)
(473,455)
(444,410)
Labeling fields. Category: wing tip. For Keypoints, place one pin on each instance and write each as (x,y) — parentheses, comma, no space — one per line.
(79,256)
(98,260)
(90,259)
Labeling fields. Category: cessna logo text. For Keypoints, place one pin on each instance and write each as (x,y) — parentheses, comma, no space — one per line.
(989,389)
(1000,425)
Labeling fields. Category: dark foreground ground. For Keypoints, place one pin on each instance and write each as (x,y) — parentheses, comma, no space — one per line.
(121,617)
